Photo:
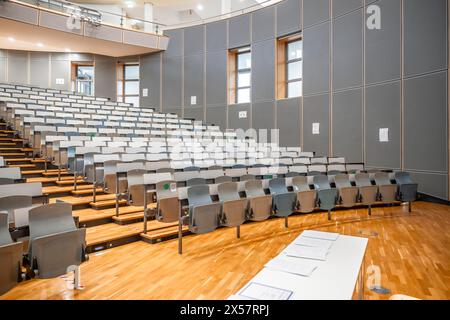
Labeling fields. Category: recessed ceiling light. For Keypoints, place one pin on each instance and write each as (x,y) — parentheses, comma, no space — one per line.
(67,50)
(11,39)
(200,7)
(40,45)
(129,4)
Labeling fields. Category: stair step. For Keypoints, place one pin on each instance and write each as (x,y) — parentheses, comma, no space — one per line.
(19,160)
(127,218)
(55,173)
(52,190)
(22,166)
(7,144)
(90,214)
(87,191)
(76,201)
(50,180)
(169,232)
(7,131)
(50,171)
(12,154)
(66,182)
(106,203)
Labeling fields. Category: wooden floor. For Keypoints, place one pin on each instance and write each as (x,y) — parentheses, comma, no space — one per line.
(411,250)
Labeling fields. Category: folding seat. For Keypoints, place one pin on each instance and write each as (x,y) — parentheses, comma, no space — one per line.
(222,179)
(6,181)
(135,181)
(110,177)
(203,213)
(164,170)
(306,197)
(259,204)
(12,204)
(407,189)
(368,193)
(284,202)
(10,257)
(195,182)
(327,196)
(348,194)
(387,191)
(234,208)
(56,245)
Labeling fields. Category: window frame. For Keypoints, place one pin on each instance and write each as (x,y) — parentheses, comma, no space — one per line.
(289,63)
(240,71)
(123,80)
(76,81)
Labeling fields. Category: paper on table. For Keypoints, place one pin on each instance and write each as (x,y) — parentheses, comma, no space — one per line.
(263,292)
(315,253)
(294,267)
(320,235)
(313,242)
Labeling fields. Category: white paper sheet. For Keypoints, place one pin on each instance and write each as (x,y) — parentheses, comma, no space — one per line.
(320,235)
(383,135)
(313,242)
(314,253)
(262,292)
(295,267)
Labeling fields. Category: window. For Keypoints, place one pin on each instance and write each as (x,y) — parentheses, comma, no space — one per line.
(128,83)
(294,68)
(289,67)
(83,78)
(239,75)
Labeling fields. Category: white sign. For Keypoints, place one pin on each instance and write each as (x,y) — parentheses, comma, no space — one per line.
(193,100)
(383,135)
(145,92)
(242,114)
(59,81)
(316,128)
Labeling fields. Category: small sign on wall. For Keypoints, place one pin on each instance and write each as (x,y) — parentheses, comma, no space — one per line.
(193,100)
(316,128)
(59,81)
(242,114)
(145,92)
(383,135)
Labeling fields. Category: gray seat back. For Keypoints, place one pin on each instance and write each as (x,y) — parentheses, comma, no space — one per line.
(300,183)
(10,203)
(253,188)
(204,215)
(10,265)
(362,179)
(382,178)
(403,177)
(5,236)
(247,177)
(277,186)
(50,219)
(321,182)
(6,181)
(195,182)
(342,181)
(228,191)
(199,195)
(223,179)
(168,209)
(163,170)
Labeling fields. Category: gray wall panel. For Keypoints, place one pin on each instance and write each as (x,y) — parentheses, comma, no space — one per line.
(432,184)
(425,33)
(383,111)
(316,110)
(150,72)
(193,79)
(341,7)
(316,59)
(347,51)
(289,18)
(263,71)
(425,123)
(2,69)
(347,125)
(383,46)
(60,69)
(105,77)
(175,47)
(289,122)
(263,24)
(39,72)
(172,81)
(216,78)
(194,40)
(216,36)
(17,66)
(234,122)
(217,116)
(263,115)
(239,31)
(195,113)
(315,11)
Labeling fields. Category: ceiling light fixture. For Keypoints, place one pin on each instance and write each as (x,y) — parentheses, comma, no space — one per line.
(129,4)
(40,45)
(11,39)
(200,7)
